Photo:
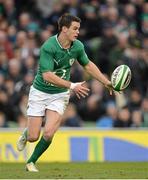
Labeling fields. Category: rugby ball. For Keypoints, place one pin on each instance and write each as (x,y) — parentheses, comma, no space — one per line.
(121,77)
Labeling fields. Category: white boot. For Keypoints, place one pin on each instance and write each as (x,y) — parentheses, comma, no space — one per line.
(31,167)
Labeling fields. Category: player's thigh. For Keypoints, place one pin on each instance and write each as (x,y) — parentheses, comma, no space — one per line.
(53,121)
(36,103)
(34,127)
(58,102)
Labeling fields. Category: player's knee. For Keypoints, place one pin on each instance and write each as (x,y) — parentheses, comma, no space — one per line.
(48,134)
(32,137)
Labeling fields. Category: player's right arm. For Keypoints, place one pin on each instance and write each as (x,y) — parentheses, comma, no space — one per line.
(78,88)
(47,68)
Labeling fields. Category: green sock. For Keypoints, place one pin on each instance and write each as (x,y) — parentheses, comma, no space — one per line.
(39,149)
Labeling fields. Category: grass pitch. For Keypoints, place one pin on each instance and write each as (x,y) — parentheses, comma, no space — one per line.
(106,170)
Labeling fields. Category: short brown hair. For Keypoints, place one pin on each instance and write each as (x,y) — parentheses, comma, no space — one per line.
(66,20)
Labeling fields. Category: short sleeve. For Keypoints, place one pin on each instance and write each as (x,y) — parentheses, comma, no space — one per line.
(46,60)
(82,56)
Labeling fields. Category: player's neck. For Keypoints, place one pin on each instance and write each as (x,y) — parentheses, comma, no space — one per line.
(65,43)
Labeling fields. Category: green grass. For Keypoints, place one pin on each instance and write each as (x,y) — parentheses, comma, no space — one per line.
(108,170)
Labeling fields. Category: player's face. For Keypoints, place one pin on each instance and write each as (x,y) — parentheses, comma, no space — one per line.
(73,31)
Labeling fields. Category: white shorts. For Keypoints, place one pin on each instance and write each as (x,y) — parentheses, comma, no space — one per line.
(40,101)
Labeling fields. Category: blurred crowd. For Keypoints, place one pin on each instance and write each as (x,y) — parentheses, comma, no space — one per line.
(114,32)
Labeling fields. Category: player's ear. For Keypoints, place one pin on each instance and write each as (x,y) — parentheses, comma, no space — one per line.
(64,29)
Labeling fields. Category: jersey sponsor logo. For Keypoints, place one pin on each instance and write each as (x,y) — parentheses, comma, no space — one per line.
(71,61)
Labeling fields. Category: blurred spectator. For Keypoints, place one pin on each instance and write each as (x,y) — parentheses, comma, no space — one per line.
(112,16)
(55,14)
(6,107)
(117,52)
(108,42)
(3,62)
(71,118)
(92,107)
(123,118)
(9,85)
(22,105)
(72,7)
(130,13)
(23,86)
(14,70)
(134,100)
(145,112)
(142,69)
(77,73)
(122,27)
(10,12)
(45,34)
(21,121)
(134,39)
(3,121)
(12,34)
(29,65)
(136,118)
(108,119)
(22,44)
(5,44)
(89,20)
(2,80)
(45,7)
(145,27)
(24,21)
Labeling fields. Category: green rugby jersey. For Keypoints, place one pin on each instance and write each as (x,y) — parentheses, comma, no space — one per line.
(58,60)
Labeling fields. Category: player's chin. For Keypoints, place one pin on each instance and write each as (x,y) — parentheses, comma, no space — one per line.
(74,38)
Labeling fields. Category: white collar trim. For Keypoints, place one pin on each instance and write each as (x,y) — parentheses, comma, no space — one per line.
(58,42)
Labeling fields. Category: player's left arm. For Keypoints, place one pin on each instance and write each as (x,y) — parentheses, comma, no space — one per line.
(91,68)
(94,71)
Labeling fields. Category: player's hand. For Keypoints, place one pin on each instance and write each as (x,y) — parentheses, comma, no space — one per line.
(110,87)
(79,89)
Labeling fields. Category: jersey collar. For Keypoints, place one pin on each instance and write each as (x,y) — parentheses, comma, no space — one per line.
(56,36)
(58,41)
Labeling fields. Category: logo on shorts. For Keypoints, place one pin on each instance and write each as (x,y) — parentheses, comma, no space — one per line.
(71,61)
